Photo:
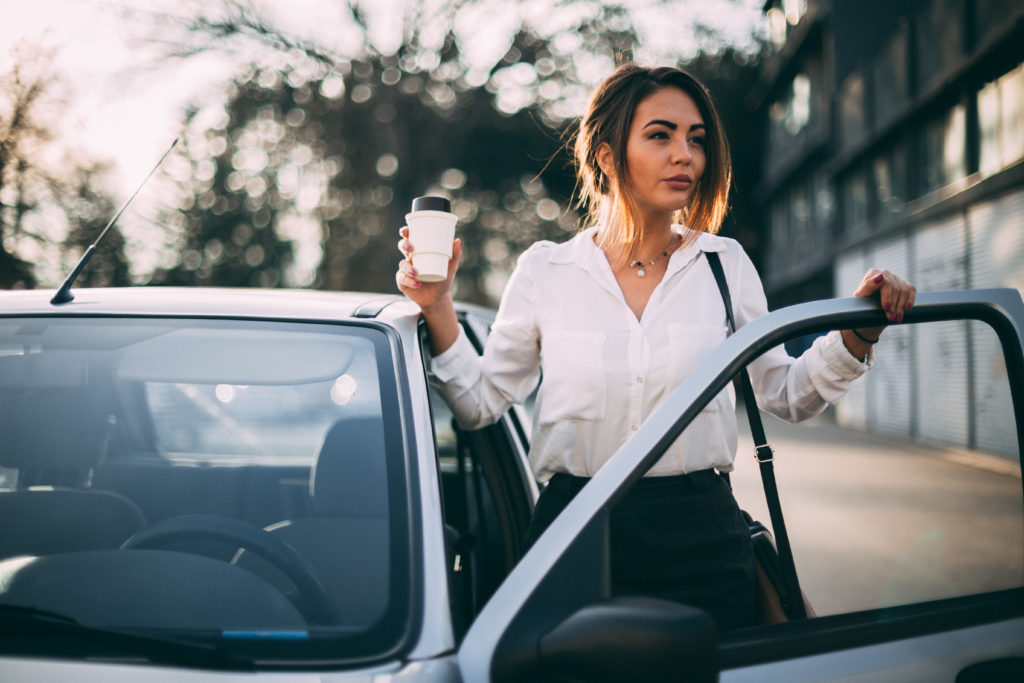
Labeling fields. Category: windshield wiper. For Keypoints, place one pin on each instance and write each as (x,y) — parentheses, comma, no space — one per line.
(21,626)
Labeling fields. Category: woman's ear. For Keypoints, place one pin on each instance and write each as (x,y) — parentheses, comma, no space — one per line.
(604,158)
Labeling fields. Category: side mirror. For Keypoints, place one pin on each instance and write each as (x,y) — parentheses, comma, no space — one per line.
(632,639)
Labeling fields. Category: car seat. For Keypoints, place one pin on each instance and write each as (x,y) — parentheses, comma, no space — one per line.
(346,538)
(54,438)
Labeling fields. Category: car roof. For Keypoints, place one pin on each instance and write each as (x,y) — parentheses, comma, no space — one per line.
(209,301)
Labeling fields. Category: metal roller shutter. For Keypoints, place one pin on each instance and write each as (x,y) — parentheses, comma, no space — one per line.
(942,412)
(852,411)
(890,382)
(996,259)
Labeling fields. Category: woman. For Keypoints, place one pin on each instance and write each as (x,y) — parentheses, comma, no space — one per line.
(617,317)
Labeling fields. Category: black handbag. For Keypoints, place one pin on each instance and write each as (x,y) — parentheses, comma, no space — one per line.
(776,568)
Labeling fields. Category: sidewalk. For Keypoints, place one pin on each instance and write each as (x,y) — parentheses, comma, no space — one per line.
(877,521)
(824,431)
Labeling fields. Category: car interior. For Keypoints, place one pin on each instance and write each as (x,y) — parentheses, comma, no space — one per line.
(245,523)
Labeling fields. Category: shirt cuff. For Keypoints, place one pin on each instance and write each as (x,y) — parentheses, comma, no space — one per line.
(840,360)
(831,367)
(454,360)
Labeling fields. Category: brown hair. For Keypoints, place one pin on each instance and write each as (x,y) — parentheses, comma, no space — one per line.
(608,120)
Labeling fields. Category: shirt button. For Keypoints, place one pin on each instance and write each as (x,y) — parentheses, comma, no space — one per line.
(633,427)
(639,380)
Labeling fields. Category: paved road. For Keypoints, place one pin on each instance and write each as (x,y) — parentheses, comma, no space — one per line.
(875,522)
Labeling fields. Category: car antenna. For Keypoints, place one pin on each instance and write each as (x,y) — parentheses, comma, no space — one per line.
(64,294)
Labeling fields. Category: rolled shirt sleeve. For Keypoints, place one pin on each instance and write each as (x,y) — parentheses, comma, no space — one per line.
(793,389)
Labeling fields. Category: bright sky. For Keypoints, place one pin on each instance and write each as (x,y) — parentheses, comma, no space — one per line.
(114,108)
(131,114)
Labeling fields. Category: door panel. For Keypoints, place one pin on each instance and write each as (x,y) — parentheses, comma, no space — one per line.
(909,545)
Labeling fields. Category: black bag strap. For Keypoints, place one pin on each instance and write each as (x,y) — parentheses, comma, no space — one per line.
(792,602)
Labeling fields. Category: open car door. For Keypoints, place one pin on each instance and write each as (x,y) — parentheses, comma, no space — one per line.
(553,617)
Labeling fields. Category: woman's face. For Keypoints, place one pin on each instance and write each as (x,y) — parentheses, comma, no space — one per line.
(665,153)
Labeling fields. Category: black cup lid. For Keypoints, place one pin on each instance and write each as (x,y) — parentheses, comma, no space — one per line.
(431,204)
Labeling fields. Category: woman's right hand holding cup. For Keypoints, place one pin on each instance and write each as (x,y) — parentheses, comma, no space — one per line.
(426,295)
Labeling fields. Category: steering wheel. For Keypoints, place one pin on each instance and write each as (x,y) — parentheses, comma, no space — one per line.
(310,597)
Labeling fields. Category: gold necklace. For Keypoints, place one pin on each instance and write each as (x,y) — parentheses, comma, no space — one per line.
(640,265)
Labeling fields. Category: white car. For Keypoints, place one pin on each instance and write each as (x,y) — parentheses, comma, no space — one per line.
(201,484)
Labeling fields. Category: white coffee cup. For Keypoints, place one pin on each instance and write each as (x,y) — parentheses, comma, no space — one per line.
(431,233)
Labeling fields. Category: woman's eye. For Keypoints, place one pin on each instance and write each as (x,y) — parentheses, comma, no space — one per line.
(698,141)
(659,135)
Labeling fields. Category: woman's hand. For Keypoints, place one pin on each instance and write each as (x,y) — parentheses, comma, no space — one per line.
(426,294)
(896,296)
(433,298)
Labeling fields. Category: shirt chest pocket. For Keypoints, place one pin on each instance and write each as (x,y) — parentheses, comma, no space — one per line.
(690,345)
(573,385)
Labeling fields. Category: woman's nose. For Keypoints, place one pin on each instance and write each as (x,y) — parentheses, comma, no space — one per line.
(681,153)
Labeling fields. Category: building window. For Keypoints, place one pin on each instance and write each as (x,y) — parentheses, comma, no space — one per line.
(795,10)
(780,237)
(803,224)
(889,176)
(801,217)
(824,201)
(777,27)
(993,16)
(800,108)
(855,203)
(852,120)
(945,149)
(891,80)
(1001,122)
(782,16)
(939,39)
(788,120)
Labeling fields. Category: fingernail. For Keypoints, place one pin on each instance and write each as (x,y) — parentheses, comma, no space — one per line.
(879,277)
(416,283)
(900,318)
(412,271)
(909,306)
(887,309)
(406,247)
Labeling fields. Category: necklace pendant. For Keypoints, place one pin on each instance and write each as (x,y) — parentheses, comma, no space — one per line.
(641,272)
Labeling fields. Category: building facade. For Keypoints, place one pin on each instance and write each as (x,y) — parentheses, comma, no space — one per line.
(895,138)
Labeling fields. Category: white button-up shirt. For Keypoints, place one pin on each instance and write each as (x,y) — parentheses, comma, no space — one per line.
(563,315)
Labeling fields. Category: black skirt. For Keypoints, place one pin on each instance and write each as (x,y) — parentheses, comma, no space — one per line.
(680,538)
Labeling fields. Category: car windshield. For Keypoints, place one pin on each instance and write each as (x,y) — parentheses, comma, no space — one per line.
(234,480)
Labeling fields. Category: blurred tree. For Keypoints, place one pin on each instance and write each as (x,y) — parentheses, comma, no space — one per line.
(319,144)
(20,92)
(88,209)
(47,210)
(231,207)
(337,148)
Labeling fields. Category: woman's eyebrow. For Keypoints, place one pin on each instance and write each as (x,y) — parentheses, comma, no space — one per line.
(673,126)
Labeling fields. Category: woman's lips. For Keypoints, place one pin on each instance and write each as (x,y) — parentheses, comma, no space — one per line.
(679,182)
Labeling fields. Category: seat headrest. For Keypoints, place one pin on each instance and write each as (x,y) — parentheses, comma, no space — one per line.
(53,429)
(349,477)
(52,520)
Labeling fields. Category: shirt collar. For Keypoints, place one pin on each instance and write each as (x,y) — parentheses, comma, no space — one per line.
(582,250)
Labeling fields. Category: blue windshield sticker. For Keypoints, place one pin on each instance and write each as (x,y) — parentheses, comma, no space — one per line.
(266,635)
